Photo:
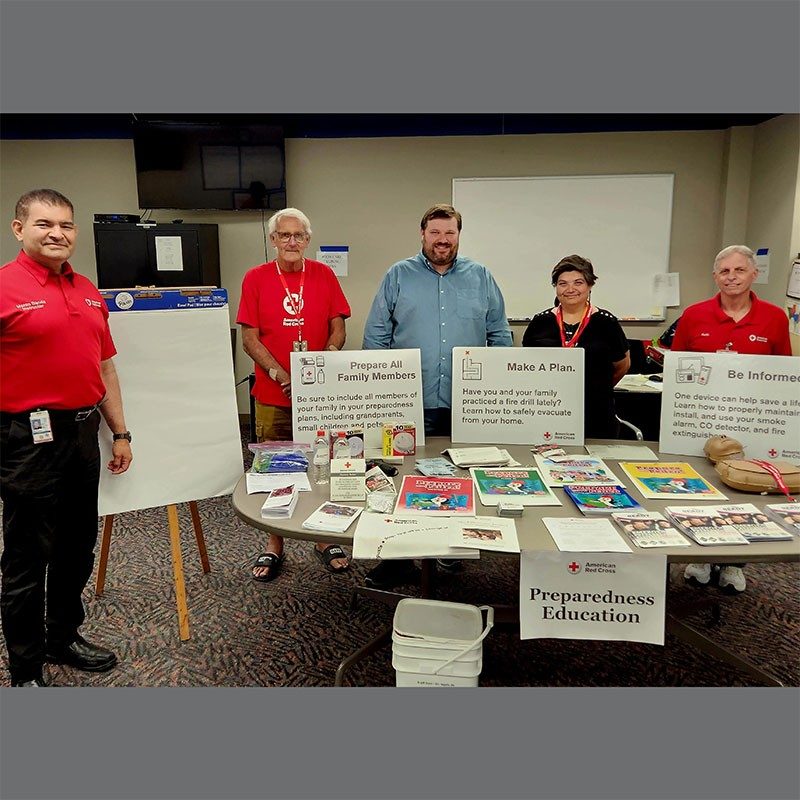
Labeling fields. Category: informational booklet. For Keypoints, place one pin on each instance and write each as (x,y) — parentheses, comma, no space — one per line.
(753,524)
(376,480)
(438,496)
(664,480)
(347,479)
(521,484)
(788,514)
(333,517)
(435,466)
(562,470)
(705,525)
(484,533)
(411,536)
(575,535)
(622,452)
(477,456)
(591,498)
(649,529)
(280,503)
(266,482)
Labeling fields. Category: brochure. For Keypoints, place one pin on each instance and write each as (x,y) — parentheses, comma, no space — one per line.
(522,484)
(376,480)
(439,496)
(576,535)
(333,517)
(622,452)
(263,482)
(705,525)
(649,529)
(664,480)
(410,536)
(484,533)
(593,499)
(280,503)
(562,470)
(435,466)
(465,457)
(788,514)
(347,479)
(752,523)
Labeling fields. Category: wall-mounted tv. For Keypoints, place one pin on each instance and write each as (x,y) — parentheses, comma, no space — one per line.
(190,164)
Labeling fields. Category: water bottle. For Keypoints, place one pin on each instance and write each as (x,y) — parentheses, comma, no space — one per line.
(321,463)
(341,446)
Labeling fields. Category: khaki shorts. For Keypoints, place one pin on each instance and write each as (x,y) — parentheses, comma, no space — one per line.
(273,423)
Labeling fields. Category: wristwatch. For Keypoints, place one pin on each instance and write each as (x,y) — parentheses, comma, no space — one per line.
(124,435)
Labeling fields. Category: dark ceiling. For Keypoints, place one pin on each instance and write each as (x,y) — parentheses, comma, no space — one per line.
(119,126)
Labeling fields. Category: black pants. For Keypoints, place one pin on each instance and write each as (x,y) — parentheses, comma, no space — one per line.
(49,496)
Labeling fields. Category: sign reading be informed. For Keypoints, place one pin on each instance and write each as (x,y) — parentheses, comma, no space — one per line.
(610,596)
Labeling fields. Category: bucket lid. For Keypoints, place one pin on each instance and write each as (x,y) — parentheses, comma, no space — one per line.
(437,620)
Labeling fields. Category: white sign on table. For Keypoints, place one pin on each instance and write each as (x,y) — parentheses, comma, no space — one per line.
(608,596)
(356,388)
(508,395)
(754,399)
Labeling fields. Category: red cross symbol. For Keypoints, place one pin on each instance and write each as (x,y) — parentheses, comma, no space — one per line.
(466,352)
(547,434)
(347,464)
(773,452)
(574,567)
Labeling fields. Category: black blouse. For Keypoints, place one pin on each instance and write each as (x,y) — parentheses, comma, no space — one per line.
(604,342)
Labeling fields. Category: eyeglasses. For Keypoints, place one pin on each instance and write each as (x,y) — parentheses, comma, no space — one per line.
(285,238)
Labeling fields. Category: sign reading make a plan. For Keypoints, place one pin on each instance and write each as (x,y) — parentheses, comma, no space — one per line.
(754,399)
(609,596)
(508,395)
(356,388)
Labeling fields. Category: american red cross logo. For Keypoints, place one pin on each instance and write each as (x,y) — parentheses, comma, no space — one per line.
(347,464)
(547,435)
(574,567)
(773,452)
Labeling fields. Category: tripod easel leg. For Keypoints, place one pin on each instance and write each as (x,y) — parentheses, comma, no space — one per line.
(177,568)
(198,534)
(105,547)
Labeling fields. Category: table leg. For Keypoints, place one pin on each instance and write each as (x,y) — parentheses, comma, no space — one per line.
(370,647)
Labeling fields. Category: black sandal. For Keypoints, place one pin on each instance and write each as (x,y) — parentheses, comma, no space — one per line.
(271,560)
(329,554)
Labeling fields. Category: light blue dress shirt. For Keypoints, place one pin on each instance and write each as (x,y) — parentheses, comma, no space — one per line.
(417,307)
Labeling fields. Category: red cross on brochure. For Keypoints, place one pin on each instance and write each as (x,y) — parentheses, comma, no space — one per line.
(574,566)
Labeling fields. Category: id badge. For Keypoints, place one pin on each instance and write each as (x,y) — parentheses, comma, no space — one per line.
(40,427)
(300,346)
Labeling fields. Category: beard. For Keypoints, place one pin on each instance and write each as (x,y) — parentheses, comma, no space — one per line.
(440,260)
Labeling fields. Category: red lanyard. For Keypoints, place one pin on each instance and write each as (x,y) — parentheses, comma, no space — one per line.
(581,327)
(298,306)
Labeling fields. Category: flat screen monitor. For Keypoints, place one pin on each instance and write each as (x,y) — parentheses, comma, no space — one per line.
(209,165)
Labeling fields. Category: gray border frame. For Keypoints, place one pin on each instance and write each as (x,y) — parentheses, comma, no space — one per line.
(658,56)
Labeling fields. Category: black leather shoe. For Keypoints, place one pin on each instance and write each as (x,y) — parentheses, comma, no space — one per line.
(31,683)
(82,655)
(391,573)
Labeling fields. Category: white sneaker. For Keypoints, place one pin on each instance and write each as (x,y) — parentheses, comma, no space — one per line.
(698,574)
(732,580)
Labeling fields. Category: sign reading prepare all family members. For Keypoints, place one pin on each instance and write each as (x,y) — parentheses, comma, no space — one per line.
(754,399)
(509,395)
(609,596)
(356,387)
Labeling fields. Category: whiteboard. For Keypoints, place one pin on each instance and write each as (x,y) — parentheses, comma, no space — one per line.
(520,228)
(176,374)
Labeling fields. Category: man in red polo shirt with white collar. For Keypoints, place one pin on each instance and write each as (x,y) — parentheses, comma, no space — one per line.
(734,321)
(57,374)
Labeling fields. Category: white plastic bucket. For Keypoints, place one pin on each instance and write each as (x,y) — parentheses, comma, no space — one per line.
(436,643)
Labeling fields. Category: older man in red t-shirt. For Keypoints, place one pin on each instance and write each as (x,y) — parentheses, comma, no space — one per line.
(288,305)
(734,321)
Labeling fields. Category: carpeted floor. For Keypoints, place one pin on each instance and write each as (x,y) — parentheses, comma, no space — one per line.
(295,631)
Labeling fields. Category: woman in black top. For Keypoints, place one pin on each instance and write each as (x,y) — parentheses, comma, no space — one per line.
(575,322)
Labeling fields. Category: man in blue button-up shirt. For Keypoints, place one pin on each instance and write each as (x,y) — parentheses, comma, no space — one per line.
(436,301)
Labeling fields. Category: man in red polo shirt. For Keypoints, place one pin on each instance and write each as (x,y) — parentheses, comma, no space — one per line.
(288,305)
(734,321)
(57,373)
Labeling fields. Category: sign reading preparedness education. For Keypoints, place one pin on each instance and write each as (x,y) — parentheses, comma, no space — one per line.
(608,596)
(356,388)
(507,395)
(754,399)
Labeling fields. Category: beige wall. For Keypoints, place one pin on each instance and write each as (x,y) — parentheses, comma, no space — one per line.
(370,193)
